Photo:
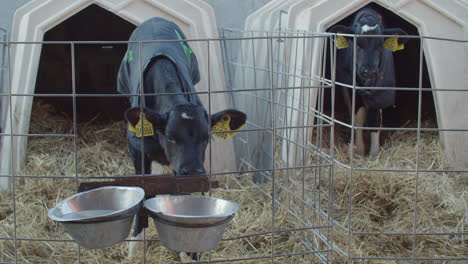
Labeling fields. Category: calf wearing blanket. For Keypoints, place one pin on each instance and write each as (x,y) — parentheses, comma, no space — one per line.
(374,68)
(167,122)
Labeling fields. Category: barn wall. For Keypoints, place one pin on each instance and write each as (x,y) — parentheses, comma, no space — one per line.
(7,11)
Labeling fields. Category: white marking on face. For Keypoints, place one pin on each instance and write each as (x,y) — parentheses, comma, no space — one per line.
(366,28)
(185,116)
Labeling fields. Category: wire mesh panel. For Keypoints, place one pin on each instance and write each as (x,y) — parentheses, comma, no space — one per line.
(305,196)
(271,78)
(383,208)
(386,198)
(75,135)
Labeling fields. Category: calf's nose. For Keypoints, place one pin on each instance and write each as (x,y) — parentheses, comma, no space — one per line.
(368,72)
(189,170)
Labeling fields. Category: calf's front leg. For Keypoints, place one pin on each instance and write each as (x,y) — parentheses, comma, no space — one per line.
(375,116)
(360,120)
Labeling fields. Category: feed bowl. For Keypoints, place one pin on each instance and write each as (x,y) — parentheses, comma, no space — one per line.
(190,223)
(100,217)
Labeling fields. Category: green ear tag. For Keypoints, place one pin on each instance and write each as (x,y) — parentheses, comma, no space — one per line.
(223,125)
(147,127)
(392,44)
(341,42)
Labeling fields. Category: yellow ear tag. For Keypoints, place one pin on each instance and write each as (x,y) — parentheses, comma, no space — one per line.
(223,125)
(147,127)
(392,44)
(341,42)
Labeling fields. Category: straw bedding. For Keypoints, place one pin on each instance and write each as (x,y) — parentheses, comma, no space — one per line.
(380,202)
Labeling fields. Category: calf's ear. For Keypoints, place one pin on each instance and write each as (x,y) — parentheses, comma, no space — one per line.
(341,41)
(229,119)
(395,43)
(341,29)
(150,120)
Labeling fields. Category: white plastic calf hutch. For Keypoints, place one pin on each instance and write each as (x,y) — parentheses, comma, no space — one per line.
(35,19)
(447,61)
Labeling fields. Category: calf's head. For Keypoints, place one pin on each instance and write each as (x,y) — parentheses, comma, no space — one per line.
(369,50)
(184,132)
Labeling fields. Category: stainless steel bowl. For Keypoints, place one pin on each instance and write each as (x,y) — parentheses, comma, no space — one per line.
(100,217)
(190,223)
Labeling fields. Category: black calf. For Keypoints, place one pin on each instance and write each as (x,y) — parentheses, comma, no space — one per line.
(374,68)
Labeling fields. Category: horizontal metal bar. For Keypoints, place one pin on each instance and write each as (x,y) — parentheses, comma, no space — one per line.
(210,174)
(412,258)
(277,231)
(398,128)
(263,257)
(329,34)
(157,94)
(34,135)
(309,78)
(409,233)
(211,261)
(344,165)
(329,82)
(212,132)
(414,89)
(91,42)
(400,36)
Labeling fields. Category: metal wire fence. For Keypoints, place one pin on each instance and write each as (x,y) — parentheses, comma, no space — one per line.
(303,104)
(291,154)
(3,37)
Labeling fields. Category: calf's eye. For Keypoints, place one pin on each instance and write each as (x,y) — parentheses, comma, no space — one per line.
(171,140)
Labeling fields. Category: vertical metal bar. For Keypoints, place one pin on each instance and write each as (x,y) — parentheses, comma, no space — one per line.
(320,159)
(260,135)
(331,176)
(293,108)
(142,105)
(75,125)
(418,142)
(242,62)
(305,134)
(272,116)
(309,140)
(13,173)
(225,58)
(287,120)
(209,121)
(351,152)
(254,73)
(209,111)
(320,128)
(232,56)
(2,73)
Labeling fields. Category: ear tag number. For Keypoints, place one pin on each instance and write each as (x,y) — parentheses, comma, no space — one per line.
(147,127)
(392,44)
(223,125)
(341,42)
